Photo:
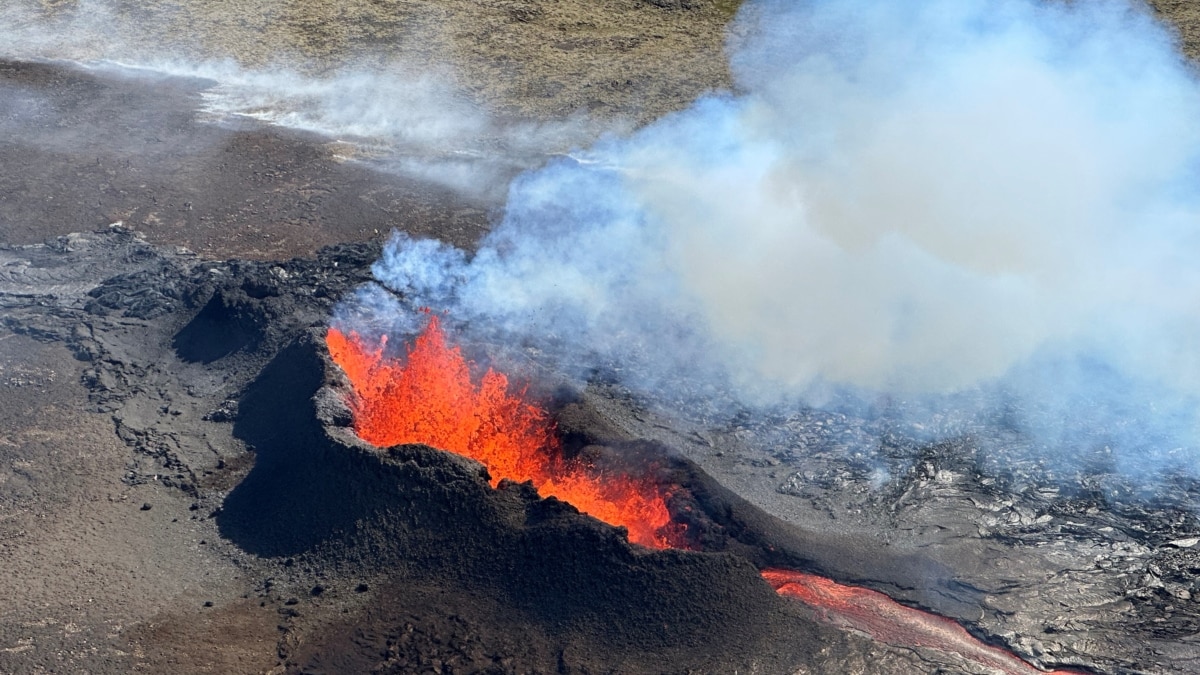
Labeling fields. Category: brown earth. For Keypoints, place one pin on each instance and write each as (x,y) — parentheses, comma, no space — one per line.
(524,57)
(1184,16)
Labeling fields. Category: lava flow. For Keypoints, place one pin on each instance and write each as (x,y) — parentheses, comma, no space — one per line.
(886,620)
(429,397)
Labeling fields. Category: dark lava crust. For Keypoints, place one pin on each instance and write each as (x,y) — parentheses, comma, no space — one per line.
(338,557)
(84,148)
(414,514)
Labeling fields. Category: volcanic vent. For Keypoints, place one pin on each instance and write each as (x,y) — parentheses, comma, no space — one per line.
(414,517)
(432,399)
(427,395)
(411,516)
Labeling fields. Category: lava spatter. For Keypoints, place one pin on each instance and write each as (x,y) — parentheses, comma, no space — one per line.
(429,397)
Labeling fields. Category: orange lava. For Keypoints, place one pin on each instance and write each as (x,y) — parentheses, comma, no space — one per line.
(885,620)
(429,397)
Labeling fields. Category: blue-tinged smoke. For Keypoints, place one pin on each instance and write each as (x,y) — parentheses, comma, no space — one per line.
(938,201)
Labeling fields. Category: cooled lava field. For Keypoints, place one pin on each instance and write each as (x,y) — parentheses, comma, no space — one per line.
(204,462)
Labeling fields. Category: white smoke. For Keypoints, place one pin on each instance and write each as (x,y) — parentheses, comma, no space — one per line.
(393,110)
(924,199)
(402,119)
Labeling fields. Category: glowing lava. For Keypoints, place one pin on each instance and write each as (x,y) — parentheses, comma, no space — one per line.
(885,620)
(429,397)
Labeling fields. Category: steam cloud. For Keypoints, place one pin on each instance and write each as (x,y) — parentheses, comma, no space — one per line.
(403,119)
(398,112)
(985,204)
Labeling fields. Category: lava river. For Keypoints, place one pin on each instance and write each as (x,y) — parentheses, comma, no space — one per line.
(430,397)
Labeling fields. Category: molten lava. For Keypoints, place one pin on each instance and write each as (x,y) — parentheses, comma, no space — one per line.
(885,620)
(429,397)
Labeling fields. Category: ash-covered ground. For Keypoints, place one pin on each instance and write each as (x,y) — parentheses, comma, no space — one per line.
(175,495)
(168,447)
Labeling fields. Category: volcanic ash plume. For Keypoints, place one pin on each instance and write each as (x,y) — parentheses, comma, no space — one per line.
(924,199)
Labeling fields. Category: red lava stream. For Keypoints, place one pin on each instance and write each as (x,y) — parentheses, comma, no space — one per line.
(429,397)
(885,620)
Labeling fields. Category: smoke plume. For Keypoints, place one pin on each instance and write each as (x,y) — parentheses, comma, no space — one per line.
(402,119)
(399,107)
(987,204)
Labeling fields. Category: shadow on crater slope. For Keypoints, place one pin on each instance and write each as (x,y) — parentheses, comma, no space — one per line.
(419,515)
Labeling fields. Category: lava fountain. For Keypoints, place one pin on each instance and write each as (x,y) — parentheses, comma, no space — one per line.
(429,397)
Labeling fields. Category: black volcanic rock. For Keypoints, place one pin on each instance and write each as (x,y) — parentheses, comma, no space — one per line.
(254,432)
(421,515)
